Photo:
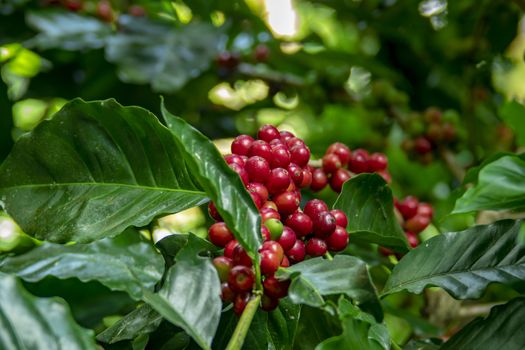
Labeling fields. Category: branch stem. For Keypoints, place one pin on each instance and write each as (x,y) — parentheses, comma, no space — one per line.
(240,332)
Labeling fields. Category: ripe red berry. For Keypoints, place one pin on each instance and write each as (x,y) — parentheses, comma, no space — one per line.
(377,162)
(408,207)
(234,158)
(265,233)
(258,188)
(137,11)
(258,169)
(256,199)
(385,175)
(241,145)
(74,5)
(270,204)
(297,252)
(300,223)
(315,207)
(307,178)
(241,171)
(240,257)
(296,173)
(323,224)
(413,241)
(340,217)
(294,141)
(229,248)
(219,234)
(422,145)
(331,163)
(341,150)
(240,302)
(338,179)
(286,135)
(319,180)
(269,262)
(338,240)
(275,226)
(227,294)
(262,149)
(241,279)
(104,11)
(268,133)
(285,262)
(417,224)
(274,247)
(425,209)
(287,239)
(358,162)
(280,156)
(228,60)
(275,288)
(300,155)
(223,265)
(278,181)
(212,210)
(269,303)
(287,202)
(269,213)
(261,53)
(316,247)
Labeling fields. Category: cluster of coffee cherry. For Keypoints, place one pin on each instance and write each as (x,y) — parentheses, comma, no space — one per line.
(339,164)
(274,168)
(429,131)
(102,8)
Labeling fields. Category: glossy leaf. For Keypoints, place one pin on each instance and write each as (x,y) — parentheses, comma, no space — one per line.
(501,185)
(315,325)
(474,258)
(141,321)
(93,170)
(66,30)
(512,113)
(190,296)
(314,278)
(160,54)
(360,331)
(27,322)
(222,184)
(501,329)
(367,201)
(124,263)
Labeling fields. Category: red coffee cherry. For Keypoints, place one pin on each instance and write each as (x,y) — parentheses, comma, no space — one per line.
(338,179)
(422,145)
(377,162)
(324,224)
(286,135)
(240,302)
(358,162)
(319,180)
(294,141)
(296,173)
(425,209)
(234,158)
(285,262)
(269,262)
(241,171)
(408,207)
(274,247)
(230,247)
(219,234)
(300,155)
(338,240)
(212,210)
(297,252)
(258,188)
(241,145)
(278,181)
(340,150)
(241,279)
(262,149)
(287,202)
(270,204)
(261,53)
(385,175)
(300,223)
(417,224)
(227,294)
(316,247)
(307,178)
(258,169)
(275,288)
(280,156)
(223,265)
(413,241)
(331,163)
(315,207)
(340,217)
(269,213)
(137,11)
(269,303)
(287,239)
(265,233)
(240,257)
(268,133)
(256,199)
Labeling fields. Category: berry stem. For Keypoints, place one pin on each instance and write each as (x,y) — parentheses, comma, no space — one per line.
(239,334)
(328,256)
(258,283)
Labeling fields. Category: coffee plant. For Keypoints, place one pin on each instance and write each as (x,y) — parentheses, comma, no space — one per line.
(317,175)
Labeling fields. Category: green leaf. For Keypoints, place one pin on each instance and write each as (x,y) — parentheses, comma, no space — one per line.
(501,185)
(92,171)
(501,329)
(141,321)
(222,184)
(463,263)
(170,246)
(315,325)
(27,322)
(160,54)
(125,263)
(360,331)
(430,344)
(190,297)
(513,113)
(314,278)
(367,201)
(66,30)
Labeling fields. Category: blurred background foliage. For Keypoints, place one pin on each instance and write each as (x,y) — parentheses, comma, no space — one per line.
(437,85)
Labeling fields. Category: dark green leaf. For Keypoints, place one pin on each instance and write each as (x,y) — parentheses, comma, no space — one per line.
(160,54)
(141,321)
(513,114)
(367,201)
(474,258)
(93,170)
(422,345)
(501,329)
(124,263)
(222,184)
(315,325)
(66,30)
(27,322)
(360,331)
(313,278)
(170,245)
(501,185)
(190,297)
